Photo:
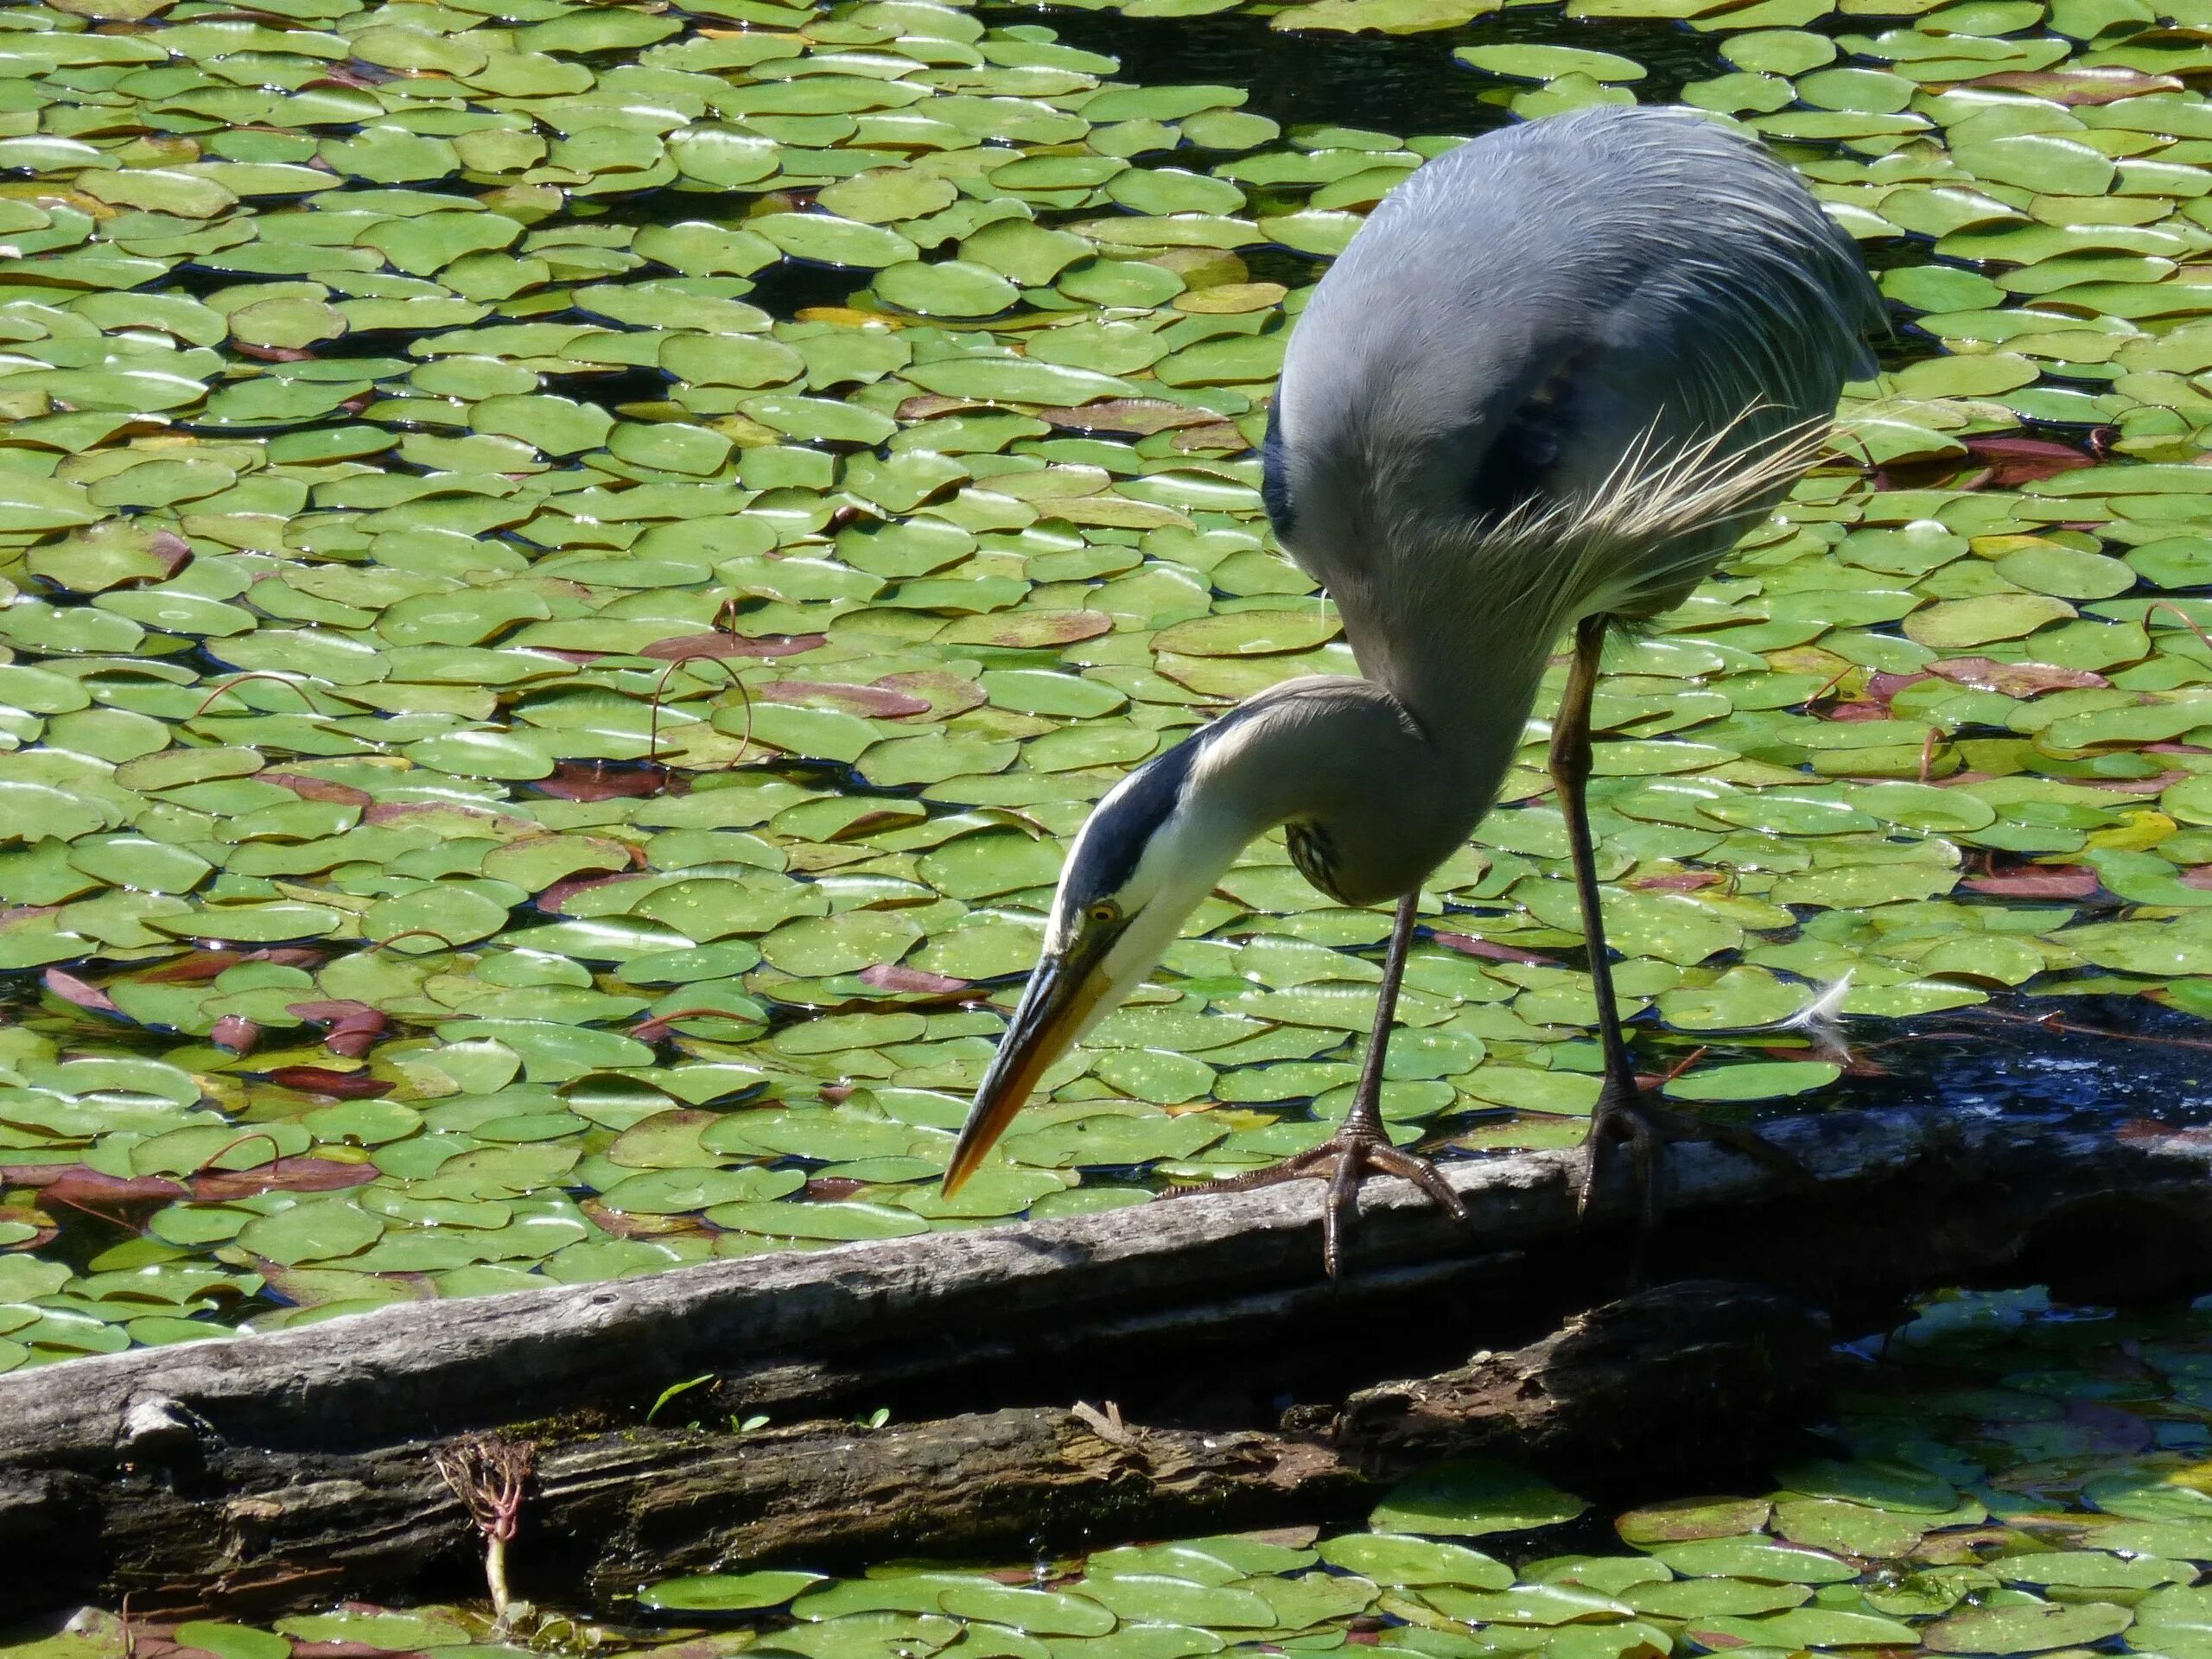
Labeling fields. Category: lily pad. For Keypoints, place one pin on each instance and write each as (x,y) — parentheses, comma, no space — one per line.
(1469,1499)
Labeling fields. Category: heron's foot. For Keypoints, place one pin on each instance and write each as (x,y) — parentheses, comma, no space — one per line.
(1343,1160)
(1627,1114)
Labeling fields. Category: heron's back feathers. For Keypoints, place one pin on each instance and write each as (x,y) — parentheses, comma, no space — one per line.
(1559,371)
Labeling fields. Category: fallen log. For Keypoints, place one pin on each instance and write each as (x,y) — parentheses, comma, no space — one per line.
(1131,1304)
(1729,1369)
(1899,1201)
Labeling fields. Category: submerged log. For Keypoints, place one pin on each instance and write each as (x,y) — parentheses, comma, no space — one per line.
(1727,1368)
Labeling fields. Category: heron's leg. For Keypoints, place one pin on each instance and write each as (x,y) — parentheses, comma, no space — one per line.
(1362,1147)
(1623,1111)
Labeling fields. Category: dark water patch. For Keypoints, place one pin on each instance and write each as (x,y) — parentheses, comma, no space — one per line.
(1402,84)
(791,286)
(636,385)
(2087,1060)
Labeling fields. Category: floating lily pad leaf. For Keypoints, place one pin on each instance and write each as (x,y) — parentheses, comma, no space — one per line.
(1633,1639)
(720,157)
(1803,1627)
(1757,1558)
(1114,1141)
(901,1593)
(1323,233)
(818,1221)
(485,754)
(1704,1598)
(2147,1495)
(439,917)
(30,503)
(997,861)
(1249,634)
(818,419)
(1846,1529)
(1957,623)
(1025,253)
(132,861)
(1154,1598)
(2176,1539)
(725,1592)
(1040,1612)
(1154,1074)
(1875,1481)
(1013,379)
(429,242)
(1396,1559)
(1780,52)
(1542,62)
(989,1191)
(1699,1518)
(1120,281)
(232,1641)
(1754,1080)
(1469,1499)
(315,1229)
(393,1633)
(2038,161)
(951,288)
(1186,1561)
(679,1191)
(1740,999)
(2091,1569)
(1383,16)
(1934,1591)
(829,240)
(161,190)
(701,250)
(557,426)
(2032,1627)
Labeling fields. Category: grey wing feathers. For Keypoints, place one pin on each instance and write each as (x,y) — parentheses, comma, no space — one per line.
(1525,311)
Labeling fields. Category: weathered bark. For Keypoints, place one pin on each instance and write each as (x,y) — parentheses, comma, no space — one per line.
(1131,1304)
(1902,1201)
(1728,1369)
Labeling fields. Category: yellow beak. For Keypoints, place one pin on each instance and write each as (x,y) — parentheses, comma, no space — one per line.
(1055,1009)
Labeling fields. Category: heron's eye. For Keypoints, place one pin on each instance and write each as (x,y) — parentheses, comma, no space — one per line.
(1104,913)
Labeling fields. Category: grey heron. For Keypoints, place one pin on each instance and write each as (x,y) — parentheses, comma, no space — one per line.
(1557,373)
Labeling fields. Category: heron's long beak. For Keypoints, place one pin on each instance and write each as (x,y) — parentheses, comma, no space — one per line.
(1053,1013)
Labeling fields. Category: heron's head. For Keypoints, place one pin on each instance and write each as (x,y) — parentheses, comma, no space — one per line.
(1152,849)
(1338,757)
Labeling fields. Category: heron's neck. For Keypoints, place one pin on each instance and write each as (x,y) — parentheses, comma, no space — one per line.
(1373,798)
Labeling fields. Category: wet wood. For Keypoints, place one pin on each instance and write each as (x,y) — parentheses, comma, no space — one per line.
(229,1528)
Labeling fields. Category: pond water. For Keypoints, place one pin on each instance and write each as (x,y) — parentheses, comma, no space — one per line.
(569,569)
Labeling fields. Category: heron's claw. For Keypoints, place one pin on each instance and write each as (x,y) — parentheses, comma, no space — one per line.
(1626,1112)
(1343,1160)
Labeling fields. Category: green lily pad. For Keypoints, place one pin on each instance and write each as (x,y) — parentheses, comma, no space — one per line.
(724,1593)
(1755,1559)
(1543,62)
(2031,1627)
(1040,1612)
(1154,1598)
(1469,1499)
(949,288)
